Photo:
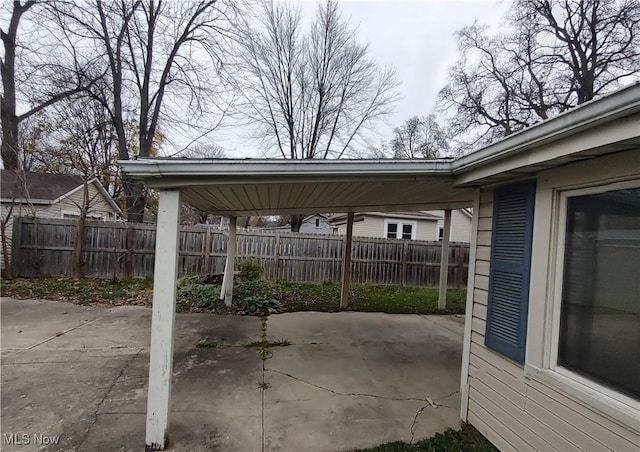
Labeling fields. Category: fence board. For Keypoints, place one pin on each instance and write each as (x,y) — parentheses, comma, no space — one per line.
(44,247)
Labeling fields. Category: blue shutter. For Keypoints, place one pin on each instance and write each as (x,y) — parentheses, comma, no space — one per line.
(510,268)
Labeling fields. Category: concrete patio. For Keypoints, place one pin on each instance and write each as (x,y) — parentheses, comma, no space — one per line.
(347,380)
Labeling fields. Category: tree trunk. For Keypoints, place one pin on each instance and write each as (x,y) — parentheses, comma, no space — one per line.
(135,199)
(296,222)
(9,147)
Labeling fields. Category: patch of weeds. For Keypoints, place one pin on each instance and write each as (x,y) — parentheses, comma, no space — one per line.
(245,288)
(193,296)
(264,385)
(266,344)
(208,344)
(250,270)
(260,305)
(466,439)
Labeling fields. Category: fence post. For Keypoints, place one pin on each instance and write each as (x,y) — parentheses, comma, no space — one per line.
(461,276)
(207,252)
(405,258)
(277,256)
(346,263)
(15,269)
(128,259)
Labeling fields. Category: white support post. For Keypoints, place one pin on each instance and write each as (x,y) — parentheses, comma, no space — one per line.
(444,260)
(346,263)
(468,317)
(226,291)
(165,278)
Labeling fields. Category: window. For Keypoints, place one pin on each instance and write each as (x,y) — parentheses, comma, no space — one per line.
(317,222)
(407,231)
(599,325)
(440,233)
(392,230)
(508,300)
(400,229)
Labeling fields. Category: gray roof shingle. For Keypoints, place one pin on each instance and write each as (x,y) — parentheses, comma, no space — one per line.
(38,185)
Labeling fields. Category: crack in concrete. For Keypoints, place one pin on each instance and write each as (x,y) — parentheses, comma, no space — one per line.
(354,394)
(431,404)
(263,327)
(106,394)
(55,336)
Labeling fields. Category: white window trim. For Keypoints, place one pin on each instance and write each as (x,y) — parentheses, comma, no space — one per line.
(400,223)
(546,291)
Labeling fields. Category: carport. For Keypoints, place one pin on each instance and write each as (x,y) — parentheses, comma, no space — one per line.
(235,188)
(244,187)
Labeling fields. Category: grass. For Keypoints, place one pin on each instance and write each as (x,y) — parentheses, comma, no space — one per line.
(467,439)
(194,296)
(367,298)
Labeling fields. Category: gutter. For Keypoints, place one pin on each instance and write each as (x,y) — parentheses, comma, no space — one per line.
(157,168)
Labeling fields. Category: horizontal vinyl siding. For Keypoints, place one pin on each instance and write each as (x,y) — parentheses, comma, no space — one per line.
(98,204)
(427,231)
(373,226)
(460,225)
(517,413)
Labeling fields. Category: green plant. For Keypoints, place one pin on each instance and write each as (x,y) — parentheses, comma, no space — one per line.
(208,344)
(193,296)
(250,270)
(259,305)
(244,288)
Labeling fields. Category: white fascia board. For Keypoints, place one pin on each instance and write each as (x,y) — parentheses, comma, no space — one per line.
(274,169)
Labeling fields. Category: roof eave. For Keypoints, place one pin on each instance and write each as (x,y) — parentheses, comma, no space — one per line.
(622,103)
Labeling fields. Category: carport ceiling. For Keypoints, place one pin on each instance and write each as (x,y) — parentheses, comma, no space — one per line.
(277,187)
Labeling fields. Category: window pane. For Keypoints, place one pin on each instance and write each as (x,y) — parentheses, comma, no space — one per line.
(406,231)
(600,314)
(392,230)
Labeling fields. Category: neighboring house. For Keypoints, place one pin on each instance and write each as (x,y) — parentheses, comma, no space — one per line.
(312,224)
(316,224)
(420,225)
(551,348)
(45,195)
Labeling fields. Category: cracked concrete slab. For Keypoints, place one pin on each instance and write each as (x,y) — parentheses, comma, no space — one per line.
(348,380)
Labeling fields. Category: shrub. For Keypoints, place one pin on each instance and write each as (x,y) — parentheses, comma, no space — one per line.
(250,269)
(259,305)
(193,296)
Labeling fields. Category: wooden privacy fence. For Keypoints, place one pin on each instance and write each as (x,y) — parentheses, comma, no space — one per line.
(44,247)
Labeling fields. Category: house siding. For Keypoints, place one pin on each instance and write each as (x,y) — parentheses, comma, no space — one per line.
(374,226)
(515,412)
(460,225)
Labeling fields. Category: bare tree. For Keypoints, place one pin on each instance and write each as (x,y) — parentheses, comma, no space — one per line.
(311,94)
(19,204)
(557,55)
(160,53)
(44,76)
(419,137)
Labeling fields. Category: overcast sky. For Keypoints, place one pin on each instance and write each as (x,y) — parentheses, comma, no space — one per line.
(415,37)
